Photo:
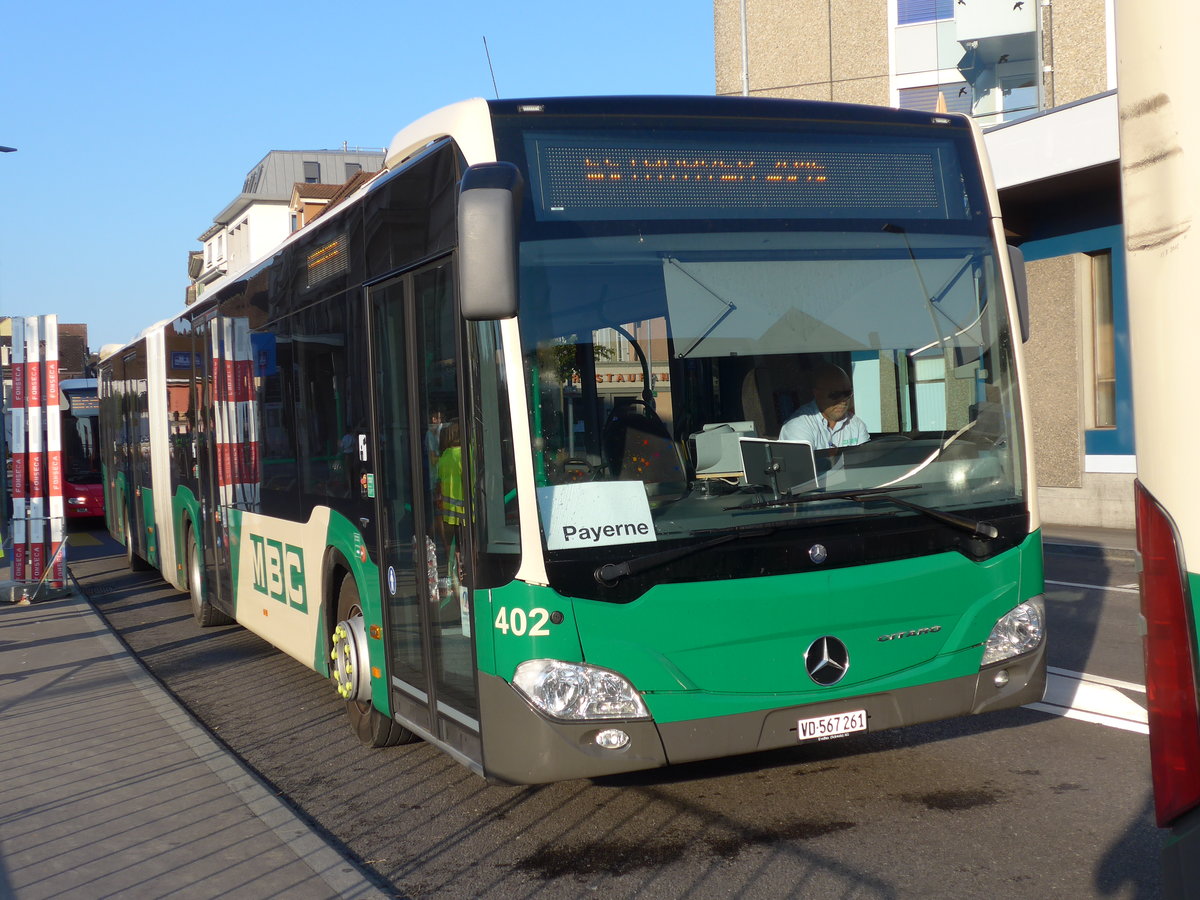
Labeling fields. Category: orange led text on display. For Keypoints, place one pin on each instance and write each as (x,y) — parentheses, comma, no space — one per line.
(701,169)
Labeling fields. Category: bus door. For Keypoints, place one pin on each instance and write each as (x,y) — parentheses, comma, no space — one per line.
(135,454)
(418,485)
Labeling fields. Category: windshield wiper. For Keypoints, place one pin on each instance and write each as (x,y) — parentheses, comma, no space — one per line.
(610,573)
(976,527)
(815,495)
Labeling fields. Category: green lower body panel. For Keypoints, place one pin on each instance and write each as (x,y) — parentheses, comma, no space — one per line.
(522,747)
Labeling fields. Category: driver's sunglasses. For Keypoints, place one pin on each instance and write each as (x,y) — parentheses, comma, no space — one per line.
(838,396)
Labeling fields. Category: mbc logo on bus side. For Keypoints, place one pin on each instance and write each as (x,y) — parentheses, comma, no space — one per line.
(279,572)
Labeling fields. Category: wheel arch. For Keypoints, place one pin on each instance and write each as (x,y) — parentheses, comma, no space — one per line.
(336,568)
(185,512)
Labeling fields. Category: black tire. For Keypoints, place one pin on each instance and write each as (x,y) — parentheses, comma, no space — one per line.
(205,614)
(132,559)
(370,726)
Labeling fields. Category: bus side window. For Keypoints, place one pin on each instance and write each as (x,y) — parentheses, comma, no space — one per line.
(322,403)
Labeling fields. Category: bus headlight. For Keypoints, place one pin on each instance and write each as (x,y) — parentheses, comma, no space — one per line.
(1020,630)
(577,691)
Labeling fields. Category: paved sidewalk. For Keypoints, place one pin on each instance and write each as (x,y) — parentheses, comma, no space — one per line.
(111,789)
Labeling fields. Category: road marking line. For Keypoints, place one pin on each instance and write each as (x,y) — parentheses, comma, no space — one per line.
(1095,587)
(1091,698)
(1097,679)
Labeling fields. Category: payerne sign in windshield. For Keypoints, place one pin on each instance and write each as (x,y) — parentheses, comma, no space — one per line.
(595,514)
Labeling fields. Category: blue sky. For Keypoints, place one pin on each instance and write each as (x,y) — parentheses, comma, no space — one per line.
(135,123)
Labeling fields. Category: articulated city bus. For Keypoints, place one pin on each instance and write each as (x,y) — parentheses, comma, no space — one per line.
(510,445)
(1160,181)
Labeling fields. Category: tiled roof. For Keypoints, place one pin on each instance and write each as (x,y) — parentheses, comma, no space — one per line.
(317,191)
(345,190)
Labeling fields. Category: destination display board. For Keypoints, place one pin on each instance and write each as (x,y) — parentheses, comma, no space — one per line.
(578,177)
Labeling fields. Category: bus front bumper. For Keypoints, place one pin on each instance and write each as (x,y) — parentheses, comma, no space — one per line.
(521,746)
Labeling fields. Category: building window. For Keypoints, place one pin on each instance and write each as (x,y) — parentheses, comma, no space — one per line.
(352,169)
(1020,95)
(957,97)
(312,173)
(910,12)
(1104,369)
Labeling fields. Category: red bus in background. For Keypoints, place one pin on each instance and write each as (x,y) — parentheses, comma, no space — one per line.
(83,486)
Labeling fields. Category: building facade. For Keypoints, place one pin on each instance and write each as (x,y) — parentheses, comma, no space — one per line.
(1039,76)
(261,215)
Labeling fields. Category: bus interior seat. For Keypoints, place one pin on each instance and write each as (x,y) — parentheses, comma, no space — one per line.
(638,447)
(768,401)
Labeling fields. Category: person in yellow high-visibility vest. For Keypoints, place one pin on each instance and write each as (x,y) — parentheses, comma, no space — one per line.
(451,508)
(450,504)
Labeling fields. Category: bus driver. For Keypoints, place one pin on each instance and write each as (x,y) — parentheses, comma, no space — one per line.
(827,421)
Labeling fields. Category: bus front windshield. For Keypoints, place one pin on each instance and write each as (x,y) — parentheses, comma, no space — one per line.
(672,374)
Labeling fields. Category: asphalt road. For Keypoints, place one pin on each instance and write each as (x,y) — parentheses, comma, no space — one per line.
(1023,803)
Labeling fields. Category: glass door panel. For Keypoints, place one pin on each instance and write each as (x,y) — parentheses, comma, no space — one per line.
(420,489)
(452,653)
(402,554)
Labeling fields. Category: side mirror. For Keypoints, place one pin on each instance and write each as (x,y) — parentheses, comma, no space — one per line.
(489,212)
(1016,261)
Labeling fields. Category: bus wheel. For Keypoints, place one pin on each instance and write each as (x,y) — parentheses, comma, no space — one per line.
(351,674)
(203,612)
(135,562)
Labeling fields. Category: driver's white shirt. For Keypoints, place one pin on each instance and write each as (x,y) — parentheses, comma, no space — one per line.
(808,424)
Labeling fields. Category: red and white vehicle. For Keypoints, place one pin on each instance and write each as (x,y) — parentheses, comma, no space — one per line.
(83,484)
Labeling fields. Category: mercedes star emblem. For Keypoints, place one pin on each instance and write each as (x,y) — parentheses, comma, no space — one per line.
(826,660)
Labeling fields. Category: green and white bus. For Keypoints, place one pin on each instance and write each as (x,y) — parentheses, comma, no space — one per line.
(1160,184)
(495,444)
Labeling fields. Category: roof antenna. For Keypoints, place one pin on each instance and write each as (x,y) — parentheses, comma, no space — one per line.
(490,69)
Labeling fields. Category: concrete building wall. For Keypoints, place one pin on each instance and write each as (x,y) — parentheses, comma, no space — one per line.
(844,50)
(270,224)
(1052,365)
(1075,45)
(1084,476)
(804,49)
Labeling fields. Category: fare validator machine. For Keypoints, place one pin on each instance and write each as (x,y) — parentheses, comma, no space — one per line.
(728,450)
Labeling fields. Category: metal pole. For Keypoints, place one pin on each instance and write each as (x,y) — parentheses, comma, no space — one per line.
(36,398)
(745,55)
(57,561)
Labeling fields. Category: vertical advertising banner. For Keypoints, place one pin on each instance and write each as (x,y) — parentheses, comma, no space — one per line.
(39,523)
(18,450)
